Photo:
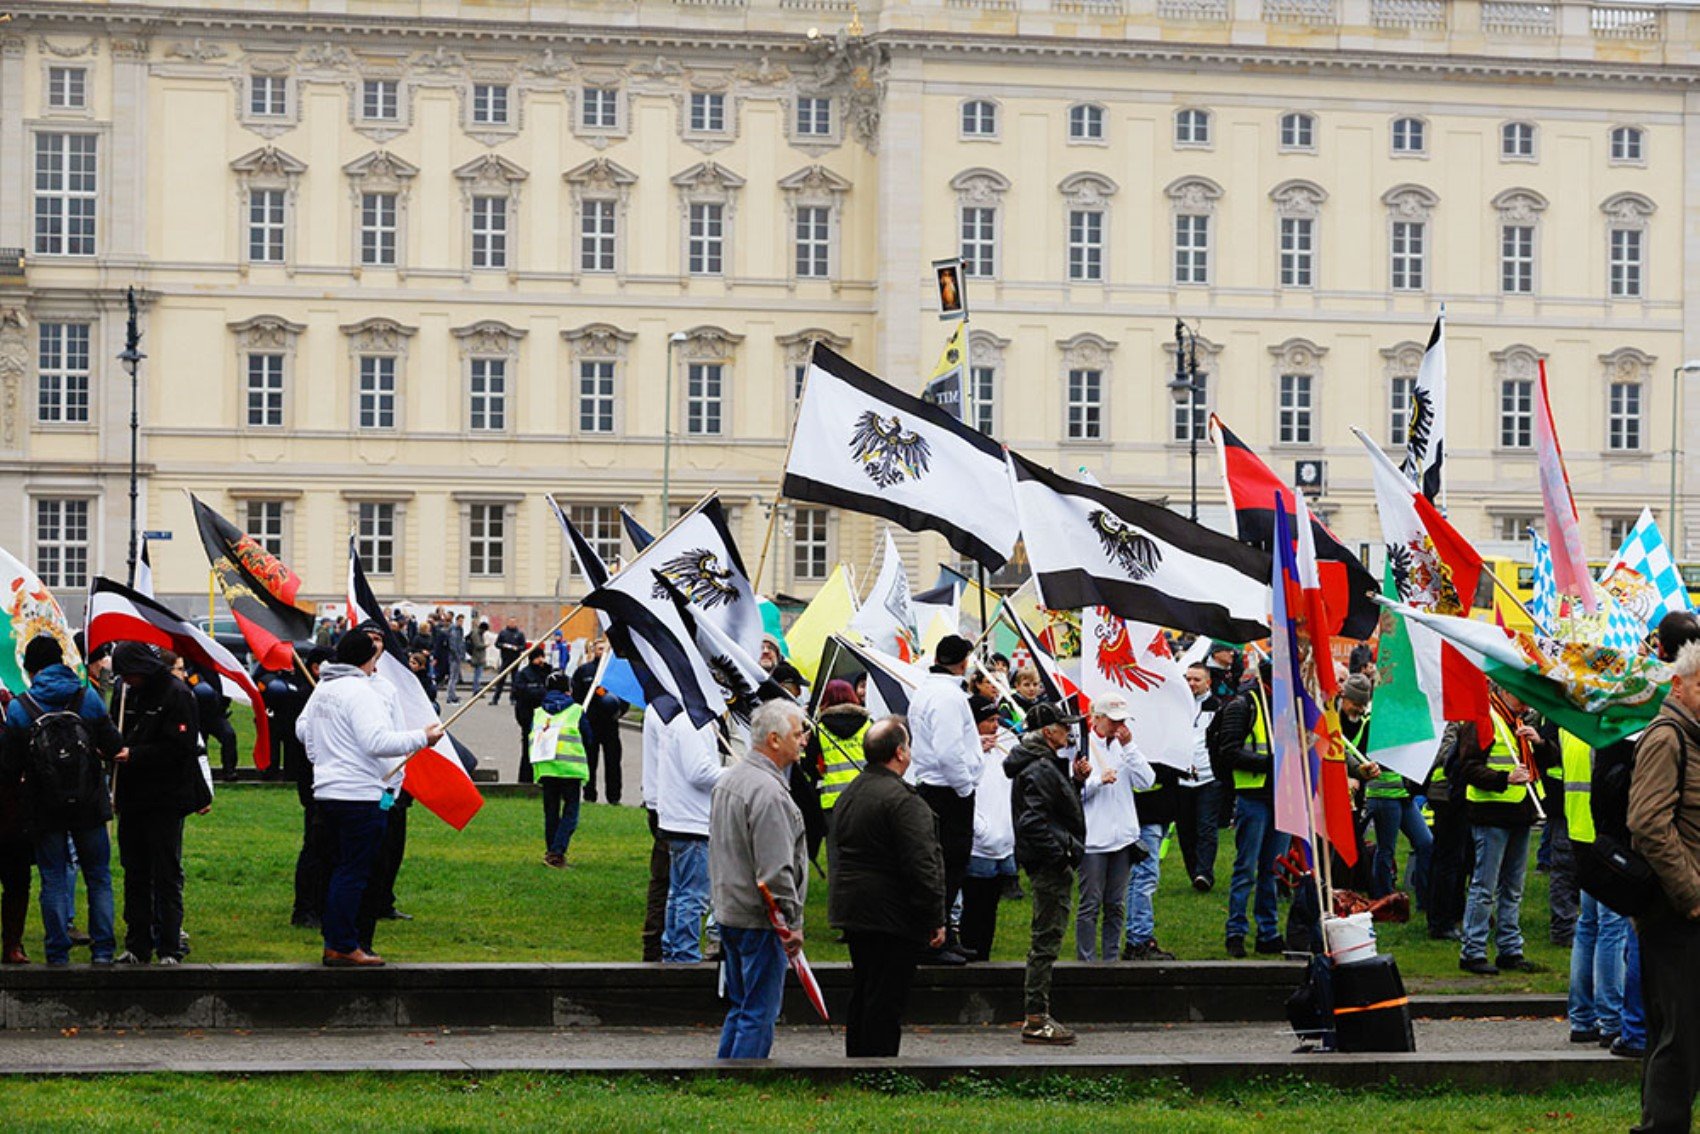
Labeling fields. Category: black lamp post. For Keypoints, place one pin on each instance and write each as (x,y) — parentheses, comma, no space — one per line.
(132,360)
(1185,388)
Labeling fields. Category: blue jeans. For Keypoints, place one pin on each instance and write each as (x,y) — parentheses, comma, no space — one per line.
(754,966)
(687,901)
(354,832)
(1257,844)
(94,857)
(560,811)
(1496,891)
(1596,968)
(992,867)
(1633,1029)
(1391,817)
(1142,887)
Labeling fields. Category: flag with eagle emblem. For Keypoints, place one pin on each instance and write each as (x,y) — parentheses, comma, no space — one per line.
(1425,429)
(1093,547)
(699,556)
(887,618)
(866,446)
(945,387)
(1133,659)
(649,633)
(741,679)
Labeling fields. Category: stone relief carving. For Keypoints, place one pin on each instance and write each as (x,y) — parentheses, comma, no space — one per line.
(800,345)
(69,50)
(196,50)
(377,336)
(488,336)
(1087,190)
(1517,363)
(266,332)
(1194,195)
(1298,199)
(1519,206)
(1626,364)
(327,57)
(979,186)
(598,340)
(1627,210)
(14,366)
(854,70)
(1410,202)
(1403,360)
(440,61)
(763,74)
(548,65)
(1086,351)
(709,344)
(1298,356)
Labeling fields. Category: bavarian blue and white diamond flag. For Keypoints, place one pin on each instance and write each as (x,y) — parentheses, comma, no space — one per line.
(865,446)
(1643,576)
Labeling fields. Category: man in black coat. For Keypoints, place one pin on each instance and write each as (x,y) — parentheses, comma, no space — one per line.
(1050,842)
(286,693)
(529,686)
(887,893)
(510,644)
(1238,738)
(153,794)
(603,712)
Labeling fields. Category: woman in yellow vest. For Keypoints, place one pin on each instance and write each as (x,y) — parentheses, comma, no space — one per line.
(558,760)
(836,745)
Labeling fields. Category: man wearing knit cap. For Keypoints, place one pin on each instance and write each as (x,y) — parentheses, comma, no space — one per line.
(352,729)
(947,756)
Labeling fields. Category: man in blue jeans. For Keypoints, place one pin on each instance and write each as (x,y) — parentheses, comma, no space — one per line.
(756,838)
(687,768)
(1238,737)
(55,823)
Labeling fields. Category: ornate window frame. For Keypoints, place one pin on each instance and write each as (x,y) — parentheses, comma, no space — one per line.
(1419,152)
(815,145)
(1640,133)
(265,334)
(491,175)
(1629,212)
(51,62)
(707,344)
(271,65)
(1193,143)
(709,183)
(492,133)
(1626,364)
(709,141)
(1088,350)
(1518,362)
(986,351)
(267,168)
(1521,208)
(799,348)
(600,179)
(489,338)
(599,137)
(377,338)
(1299,199)
(816,186)
(1506,137)
(598,342)
(1401,361)
(1410,203)
(20,358)
(1192,196)
(1073,139)
(1286,147)
(1299,356)
(1210,369)
(1089,192)
(982,188)
(979,103)
(508,502)
(380,130)
(380,171)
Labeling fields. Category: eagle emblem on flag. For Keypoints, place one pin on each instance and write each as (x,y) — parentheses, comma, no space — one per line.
(740,697)
(1422,576)
(1420,433)
(698,574)
(889,453)
(1118,659)
(1135,553)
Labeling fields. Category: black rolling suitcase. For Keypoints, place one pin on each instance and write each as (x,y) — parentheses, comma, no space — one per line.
(1371,1010)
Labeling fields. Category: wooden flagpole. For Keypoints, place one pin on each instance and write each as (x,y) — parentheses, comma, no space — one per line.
(779,493)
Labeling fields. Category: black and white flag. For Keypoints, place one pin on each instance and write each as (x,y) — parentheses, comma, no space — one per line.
(1093,547)
(1425,429)
(742,680)
(648,632)
(699,556)
(866,446)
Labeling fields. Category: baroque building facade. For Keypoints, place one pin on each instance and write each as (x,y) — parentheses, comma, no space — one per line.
(406,268)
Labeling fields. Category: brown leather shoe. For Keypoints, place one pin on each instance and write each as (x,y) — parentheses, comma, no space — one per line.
(358,959)
(15,956)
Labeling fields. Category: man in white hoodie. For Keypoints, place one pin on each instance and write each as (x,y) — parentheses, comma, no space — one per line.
(948,754)
(1112,827)
(352,729)
(687,767)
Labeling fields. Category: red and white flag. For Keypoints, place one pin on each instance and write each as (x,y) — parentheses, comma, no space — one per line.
(1564,531)
(435,775)
(118,614)
(1134,660)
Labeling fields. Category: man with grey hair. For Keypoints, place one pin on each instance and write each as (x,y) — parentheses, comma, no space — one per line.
(755,839)
(1664,824)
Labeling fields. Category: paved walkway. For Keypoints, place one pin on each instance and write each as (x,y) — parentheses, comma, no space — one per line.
(492,734)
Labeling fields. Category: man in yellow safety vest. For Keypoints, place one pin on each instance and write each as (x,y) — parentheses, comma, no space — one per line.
(558,760)
(1597,947)
(1238,738)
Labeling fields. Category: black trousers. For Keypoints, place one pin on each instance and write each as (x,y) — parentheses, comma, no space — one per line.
(507,659)
(380,892)
(1198,824)
(882,966)
(150,848)
(979,928)
(956,834)
(312,866)
(17,858)
(221,730)
(602,745)
(1670,1075)
(525,773)
(655,902)
(1449,866)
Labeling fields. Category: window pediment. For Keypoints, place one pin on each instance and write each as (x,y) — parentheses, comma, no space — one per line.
(1410,202)
(1298,198)
(1628,210)
(979,186)
(1519,206)
(598,340)
(1087,190)
(1194,194)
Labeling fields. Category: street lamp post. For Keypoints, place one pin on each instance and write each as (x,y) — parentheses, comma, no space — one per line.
(673,340)
(132,360)
(1185,388)
(1671,521)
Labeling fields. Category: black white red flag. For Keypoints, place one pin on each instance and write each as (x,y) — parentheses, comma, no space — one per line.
(259,588)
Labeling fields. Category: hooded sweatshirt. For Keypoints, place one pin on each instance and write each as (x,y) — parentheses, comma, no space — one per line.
(1112,820)
(352,729)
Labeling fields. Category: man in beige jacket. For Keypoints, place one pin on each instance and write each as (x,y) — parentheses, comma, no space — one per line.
(1664,822)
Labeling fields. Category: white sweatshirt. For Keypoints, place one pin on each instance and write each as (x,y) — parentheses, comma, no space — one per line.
(655,740)
(1199,774)
(352,730)
(943,741)
(686,771)
(994,819)
(1112,820)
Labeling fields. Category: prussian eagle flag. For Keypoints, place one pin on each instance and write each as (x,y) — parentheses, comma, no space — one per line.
(742,681)
(890,680)
(1425,429)
(699,556)
(258,587)
(118,614)
(1253,489)
(866,446)
(1093,547)
(1133,659)
(644,627)
(435,776)
(887,618)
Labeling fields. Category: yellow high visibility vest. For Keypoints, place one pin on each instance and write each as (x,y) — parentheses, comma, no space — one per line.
(569,762)
(844,762)
(1578,763)
(1503,755)
(1251,781)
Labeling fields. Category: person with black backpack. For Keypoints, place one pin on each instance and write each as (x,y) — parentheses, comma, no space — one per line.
(59,739)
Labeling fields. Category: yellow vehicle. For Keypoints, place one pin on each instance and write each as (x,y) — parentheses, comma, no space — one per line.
(1491,601)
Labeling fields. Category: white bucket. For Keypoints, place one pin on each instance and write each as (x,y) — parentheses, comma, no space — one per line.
(1349,938)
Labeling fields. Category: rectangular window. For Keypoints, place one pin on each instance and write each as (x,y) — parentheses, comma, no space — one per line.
(265,226)
(486,540)
(600,108)
(1625,263)
(375,537)
(1626,144)
(814,241)
(1516,414)
(380,100)
(62,542)
(1192,128)
(1517,259)
(378,229)
(263,520)
(1617,530)
(67,88)
(489,232)
(489,382)
(1298,132)
(377,395)
(1192,250)
(1190,415)
(265,391)
(983,392)
(1293,420)
(814,117)
(600,526)
(1086,244)
(1623,419)
(66,189)
(1409,241)
(1408,136)
(1298,251)
(1514,527)
(799,375)
(596,236)
(596,397)
(979,241)
(1399,410)
(268,96)
(1086,123)
(489,104)
(708,234)
(704,393)
(1085,405)
(62,372)
(708,112)
(809,544)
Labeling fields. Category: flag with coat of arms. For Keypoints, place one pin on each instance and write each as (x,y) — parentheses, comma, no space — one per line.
(1643,576)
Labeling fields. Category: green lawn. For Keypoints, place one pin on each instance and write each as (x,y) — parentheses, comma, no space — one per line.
(526,1102)
(484,895)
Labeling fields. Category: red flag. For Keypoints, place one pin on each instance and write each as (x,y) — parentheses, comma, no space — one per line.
(258,587)
(1333,792)
(799,963)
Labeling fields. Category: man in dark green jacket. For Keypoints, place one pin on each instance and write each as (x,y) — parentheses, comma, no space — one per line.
(887,894)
